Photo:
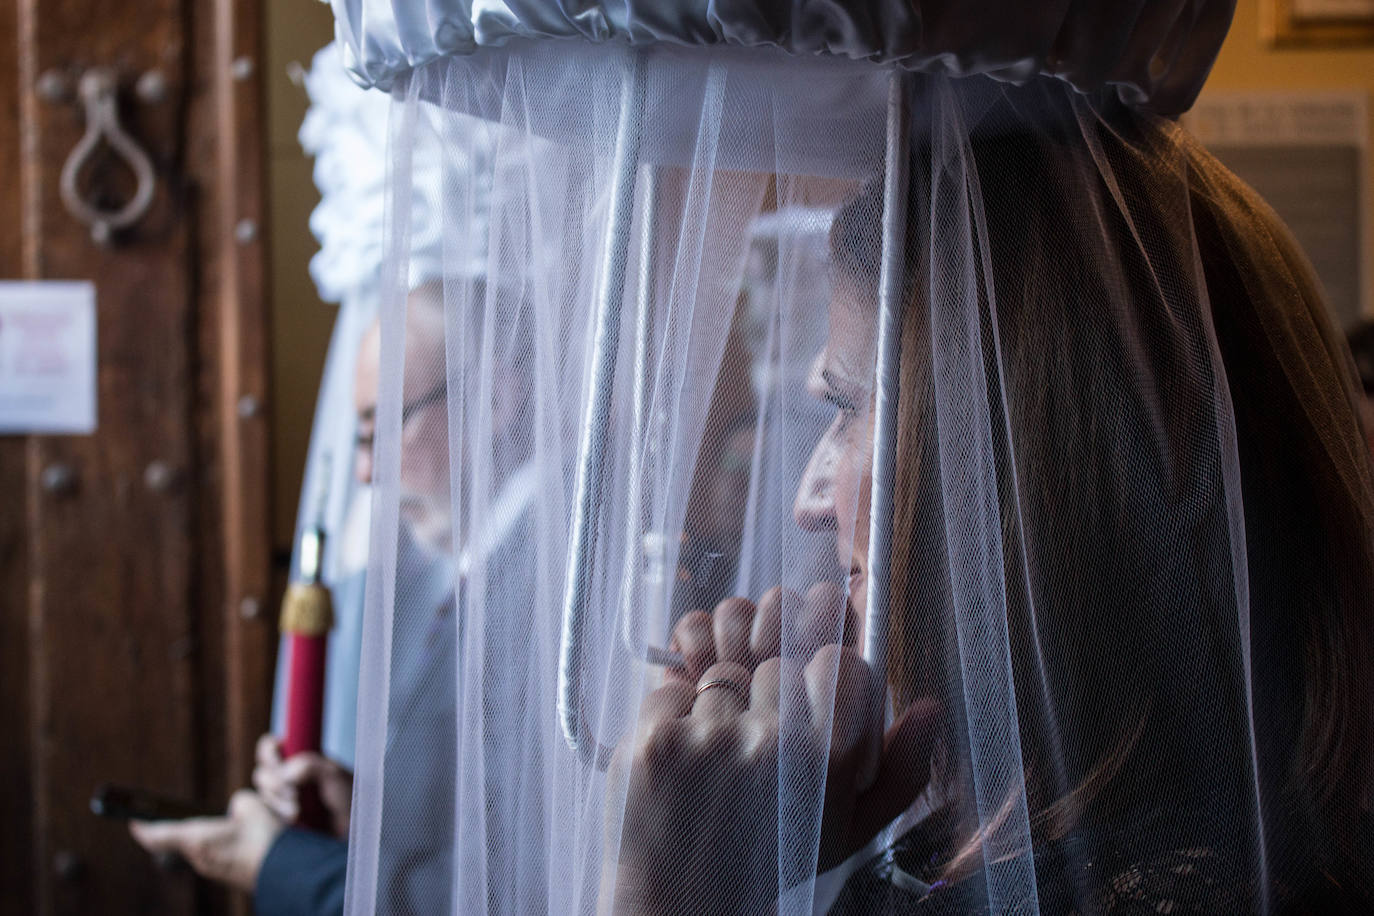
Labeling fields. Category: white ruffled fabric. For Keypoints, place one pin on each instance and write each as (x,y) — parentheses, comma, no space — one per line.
(345,130)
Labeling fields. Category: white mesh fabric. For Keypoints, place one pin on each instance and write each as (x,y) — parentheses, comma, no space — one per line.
(333,502)
(345,131)
(1128,627)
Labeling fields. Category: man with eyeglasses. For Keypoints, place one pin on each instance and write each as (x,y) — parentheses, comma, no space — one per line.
(424,469)
(293,871)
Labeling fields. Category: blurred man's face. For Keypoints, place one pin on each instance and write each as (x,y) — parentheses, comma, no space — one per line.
(424,469)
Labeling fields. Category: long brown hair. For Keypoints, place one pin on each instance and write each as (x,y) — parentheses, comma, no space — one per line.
(1085,551)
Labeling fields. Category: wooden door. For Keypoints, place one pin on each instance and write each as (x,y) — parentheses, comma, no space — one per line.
(134,562)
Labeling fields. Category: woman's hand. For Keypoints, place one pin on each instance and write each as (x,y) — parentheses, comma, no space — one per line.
(279,781)
(701,774)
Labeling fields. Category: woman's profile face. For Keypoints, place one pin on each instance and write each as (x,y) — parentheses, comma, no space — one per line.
(833,494)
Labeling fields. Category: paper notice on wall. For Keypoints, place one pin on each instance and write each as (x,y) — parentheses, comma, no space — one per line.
(47,358)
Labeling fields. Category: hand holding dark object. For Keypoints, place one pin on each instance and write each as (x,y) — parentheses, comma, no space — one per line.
(228,849)
(129,804)
(280,781)
(701,771)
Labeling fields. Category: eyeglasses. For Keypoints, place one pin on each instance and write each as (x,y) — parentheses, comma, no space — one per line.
(437,394)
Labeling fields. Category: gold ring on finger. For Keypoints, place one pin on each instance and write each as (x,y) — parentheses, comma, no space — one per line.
(737,689)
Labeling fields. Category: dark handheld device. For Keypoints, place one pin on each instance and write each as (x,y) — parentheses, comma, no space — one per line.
(125,804)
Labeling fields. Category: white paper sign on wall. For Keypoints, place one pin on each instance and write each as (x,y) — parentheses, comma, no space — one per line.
(47,357)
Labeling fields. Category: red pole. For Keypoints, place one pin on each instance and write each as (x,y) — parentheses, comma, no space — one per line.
(306,618)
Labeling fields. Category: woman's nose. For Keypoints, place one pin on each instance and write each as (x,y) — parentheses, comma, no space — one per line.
(362,465)
(814,507)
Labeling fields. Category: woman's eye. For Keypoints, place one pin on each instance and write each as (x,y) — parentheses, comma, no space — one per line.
(846,409)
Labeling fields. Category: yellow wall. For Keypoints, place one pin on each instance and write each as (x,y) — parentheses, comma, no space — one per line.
(1247,63)
(300,322)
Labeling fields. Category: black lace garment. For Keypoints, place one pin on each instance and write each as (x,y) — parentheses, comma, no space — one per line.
(909,878)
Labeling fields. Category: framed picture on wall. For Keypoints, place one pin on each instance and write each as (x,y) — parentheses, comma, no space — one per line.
(1317,22)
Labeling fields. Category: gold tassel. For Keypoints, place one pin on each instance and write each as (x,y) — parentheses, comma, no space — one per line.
(307,610)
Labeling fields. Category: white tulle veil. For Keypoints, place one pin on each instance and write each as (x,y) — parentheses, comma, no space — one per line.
(1013,390)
